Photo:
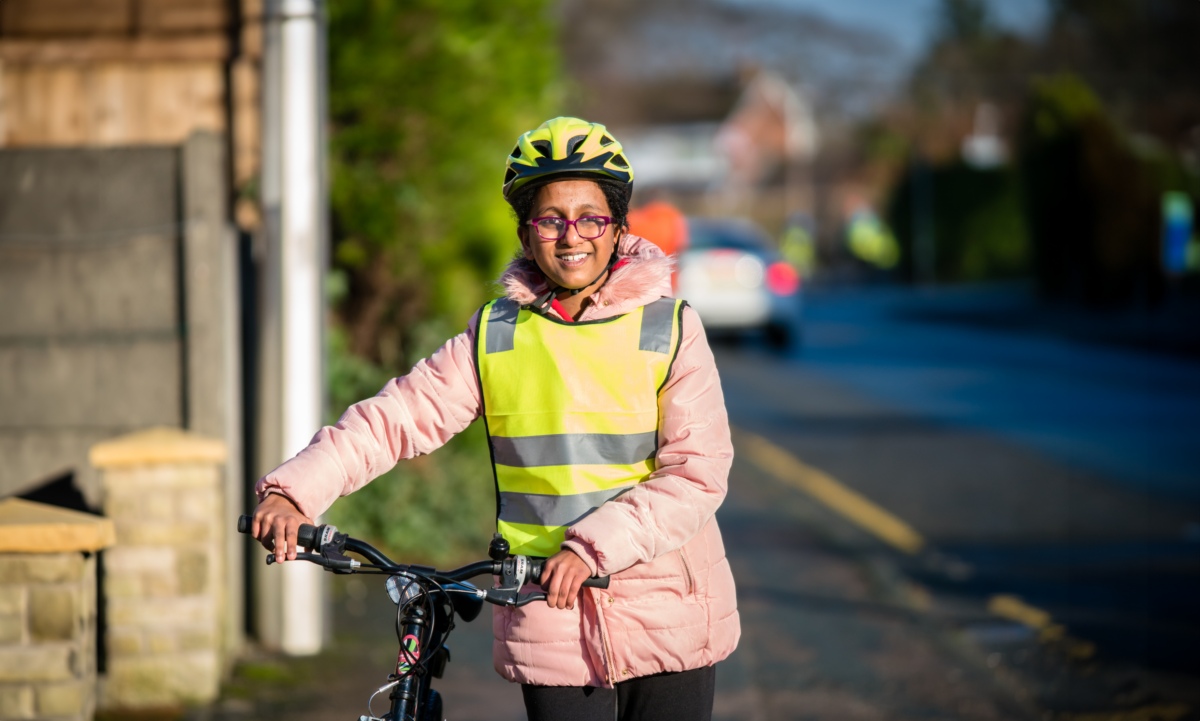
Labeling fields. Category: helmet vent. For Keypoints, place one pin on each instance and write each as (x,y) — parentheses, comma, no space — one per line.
(619,161)
(543,147)
(509,175)
(516,153)
(574,143)
(607,140)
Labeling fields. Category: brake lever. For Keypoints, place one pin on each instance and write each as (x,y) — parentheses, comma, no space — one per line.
(332,546)
(513,572)
(333,564)
(525,598)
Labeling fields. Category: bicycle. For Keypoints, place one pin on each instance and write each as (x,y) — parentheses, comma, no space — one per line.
(427,602)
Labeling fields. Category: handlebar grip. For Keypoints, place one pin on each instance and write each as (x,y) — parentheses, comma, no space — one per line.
(306,535)
(535,575)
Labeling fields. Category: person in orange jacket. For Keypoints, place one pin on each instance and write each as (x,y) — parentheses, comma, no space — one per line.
(662,224)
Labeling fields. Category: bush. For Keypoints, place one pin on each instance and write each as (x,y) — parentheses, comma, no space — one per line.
(426,100)
(437,509)
(978,222)
(1093,198)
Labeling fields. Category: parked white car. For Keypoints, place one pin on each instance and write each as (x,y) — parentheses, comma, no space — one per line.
(736,282)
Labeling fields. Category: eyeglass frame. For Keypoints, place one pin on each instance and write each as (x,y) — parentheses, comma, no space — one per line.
(568,223)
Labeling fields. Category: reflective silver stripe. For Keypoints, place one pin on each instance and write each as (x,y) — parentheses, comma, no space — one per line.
(575,449)
(657,320)
(501,326)
(542,510)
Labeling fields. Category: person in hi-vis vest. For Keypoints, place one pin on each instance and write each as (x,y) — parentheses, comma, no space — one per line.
(609,441)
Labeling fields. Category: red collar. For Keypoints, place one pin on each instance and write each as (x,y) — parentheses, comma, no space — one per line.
(562,312)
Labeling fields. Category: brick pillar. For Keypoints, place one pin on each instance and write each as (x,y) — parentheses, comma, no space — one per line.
(48,610)
(164,580)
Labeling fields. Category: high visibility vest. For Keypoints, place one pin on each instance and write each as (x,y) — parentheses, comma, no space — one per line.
(571,411)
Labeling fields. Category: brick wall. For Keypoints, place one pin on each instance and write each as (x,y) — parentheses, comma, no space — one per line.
(47,632)
(102,276)
(163,581)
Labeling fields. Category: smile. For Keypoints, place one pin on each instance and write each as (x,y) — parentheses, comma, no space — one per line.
(573,259)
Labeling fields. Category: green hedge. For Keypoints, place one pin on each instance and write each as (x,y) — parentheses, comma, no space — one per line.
(978,222)
(437,509)
(1079,210)
(427,98)
(1093,197)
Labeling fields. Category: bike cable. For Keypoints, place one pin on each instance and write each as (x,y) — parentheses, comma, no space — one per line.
(381,689)
(418,663)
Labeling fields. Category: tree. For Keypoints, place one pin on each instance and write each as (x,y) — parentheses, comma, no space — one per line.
(426,99)
(1140,56)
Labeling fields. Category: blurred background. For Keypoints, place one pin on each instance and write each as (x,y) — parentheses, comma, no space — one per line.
(945,250)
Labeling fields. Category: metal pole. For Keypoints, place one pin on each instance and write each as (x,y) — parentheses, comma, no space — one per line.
(294,199)
(268,444)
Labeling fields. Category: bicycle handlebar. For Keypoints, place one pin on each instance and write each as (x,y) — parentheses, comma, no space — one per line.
(535,575)
(307,536)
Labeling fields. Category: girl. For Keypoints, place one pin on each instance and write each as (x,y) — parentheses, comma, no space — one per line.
(609,441)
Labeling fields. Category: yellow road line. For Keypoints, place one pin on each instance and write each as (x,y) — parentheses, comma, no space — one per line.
(825,488)
(1013,608)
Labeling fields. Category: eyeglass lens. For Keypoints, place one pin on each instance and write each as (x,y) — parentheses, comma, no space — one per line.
(555,228)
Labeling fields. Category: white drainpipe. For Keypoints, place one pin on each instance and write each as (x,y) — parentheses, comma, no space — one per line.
(295,199)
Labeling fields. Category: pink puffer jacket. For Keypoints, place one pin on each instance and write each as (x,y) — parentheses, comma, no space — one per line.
(670,605)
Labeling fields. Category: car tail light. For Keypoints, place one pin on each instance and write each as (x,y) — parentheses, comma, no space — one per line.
(782,279)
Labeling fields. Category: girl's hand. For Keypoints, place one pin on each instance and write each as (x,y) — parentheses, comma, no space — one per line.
(276,522)
(561,579)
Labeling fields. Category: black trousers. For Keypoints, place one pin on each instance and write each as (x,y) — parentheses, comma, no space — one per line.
(685,695)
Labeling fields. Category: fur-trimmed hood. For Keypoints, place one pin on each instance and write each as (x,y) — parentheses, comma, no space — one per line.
(643,276)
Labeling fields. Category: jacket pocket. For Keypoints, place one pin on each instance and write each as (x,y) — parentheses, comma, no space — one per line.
(689,585)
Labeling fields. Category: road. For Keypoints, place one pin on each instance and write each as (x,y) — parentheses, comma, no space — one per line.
(927,519)
(1053,483)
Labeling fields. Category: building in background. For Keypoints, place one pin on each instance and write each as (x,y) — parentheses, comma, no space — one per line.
(770,139)
(756,159)
(719,106)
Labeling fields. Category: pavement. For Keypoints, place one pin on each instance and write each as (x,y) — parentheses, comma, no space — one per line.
(927,519)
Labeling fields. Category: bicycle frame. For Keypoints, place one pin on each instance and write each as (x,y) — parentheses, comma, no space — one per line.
(424,618)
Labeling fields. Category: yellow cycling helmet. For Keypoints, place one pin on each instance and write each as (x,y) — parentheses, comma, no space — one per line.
(567,148)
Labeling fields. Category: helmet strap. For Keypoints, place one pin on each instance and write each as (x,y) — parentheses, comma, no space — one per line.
(544,300)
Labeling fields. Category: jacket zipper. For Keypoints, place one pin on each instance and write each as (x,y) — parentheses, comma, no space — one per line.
(612,664)
(687,572)
(608,657)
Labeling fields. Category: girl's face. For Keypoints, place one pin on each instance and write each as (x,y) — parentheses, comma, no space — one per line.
(571,261)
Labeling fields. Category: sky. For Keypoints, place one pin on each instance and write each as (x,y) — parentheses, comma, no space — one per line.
(909,23)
